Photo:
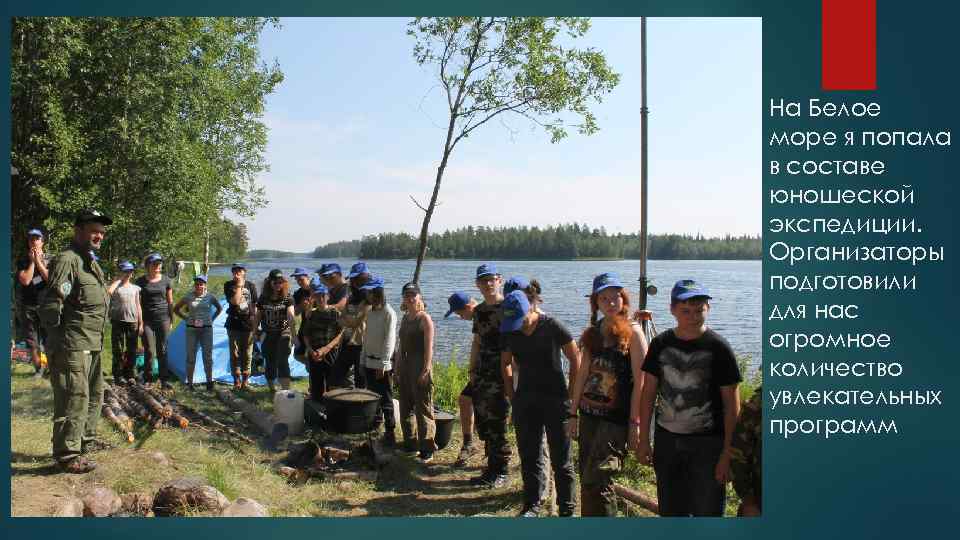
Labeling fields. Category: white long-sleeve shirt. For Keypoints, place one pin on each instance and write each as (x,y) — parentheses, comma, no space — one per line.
(380,338)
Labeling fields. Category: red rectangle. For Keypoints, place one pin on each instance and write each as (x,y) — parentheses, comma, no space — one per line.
(849,45)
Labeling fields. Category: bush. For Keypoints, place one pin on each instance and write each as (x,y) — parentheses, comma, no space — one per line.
(751,382)
(448,381)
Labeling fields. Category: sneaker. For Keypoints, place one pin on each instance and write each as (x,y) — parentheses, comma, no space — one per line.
(209,386)
(490,480)
(481,480)
(78,465)
(425,457)
(530,511)
(499,481)
(466,452)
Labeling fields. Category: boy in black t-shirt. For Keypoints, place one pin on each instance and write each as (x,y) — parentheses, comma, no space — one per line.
(241,298)
(694,373)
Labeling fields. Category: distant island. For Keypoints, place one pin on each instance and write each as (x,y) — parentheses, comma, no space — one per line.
(560,242)
(261,254)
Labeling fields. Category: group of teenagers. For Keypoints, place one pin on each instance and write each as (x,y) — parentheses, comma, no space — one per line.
(605,396)
(349,335)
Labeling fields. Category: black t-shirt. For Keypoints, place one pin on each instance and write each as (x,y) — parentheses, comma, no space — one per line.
(153,299)
(337,293)
(609,385)
(538,357)
(356,296)
(274,314)
(238,317)
(29,295)
(689,376)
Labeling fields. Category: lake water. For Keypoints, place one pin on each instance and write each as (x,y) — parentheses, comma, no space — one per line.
(734,285)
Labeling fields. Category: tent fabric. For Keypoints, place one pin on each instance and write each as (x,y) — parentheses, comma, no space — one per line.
(177,356)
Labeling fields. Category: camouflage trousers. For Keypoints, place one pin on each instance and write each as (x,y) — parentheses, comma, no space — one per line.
(491,410)
(603,446)
(77,382)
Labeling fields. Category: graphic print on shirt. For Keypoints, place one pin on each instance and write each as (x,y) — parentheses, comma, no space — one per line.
(685,405)
(601,391)
(275,316)
(244,306)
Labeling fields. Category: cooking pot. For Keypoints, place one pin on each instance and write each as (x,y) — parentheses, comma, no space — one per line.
(444,421)
(351,410)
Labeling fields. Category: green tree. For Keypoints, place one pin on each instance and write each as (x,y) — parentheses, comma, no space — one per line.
(155,121)
(489,66)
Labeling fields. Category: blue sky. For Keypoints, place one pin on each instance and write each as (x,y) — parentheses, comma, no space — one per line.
(356,129)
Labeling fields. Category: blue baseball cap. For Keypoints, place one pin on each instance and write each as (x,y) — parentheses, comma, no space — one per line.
(126,266)
(35,232)
(357,269)
(515,283)
(154,257)
(329,268)
(686,289)
(239,265)
(200,277)
(514,308)
(605,281)
(299,271)
(457,301)
(375,282)
(317,286)
(487,269)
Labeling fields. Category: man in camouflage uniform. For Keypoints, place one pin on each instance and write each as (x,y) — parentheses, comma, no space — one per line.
(73,310)
(745,463)
(491,407)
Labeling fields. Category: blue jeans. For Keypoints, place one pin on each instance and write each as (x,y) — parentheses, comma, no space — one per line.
(200,338)
(685,467)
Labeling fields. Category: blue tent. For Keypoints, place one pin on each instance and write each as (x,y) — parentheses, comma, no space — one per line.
(177,356)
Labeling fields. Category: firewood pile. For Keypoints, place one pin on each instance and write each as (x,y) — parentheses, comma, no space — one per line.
(126,403)
(313,460)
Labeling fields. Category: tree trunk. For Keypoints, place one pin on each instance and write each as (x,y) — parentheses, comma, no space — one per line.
(428,213)
(206,250)
(424,228)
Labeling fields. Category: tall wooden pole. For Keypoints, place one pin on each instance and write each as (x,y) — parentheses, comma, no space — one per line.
(643,163)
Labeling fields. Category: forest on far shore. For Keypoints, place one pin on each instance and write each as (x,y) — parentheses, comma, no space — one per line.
(560,242)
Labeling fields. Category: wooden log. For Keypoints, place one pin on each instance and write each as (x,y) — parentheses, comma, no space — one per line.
(334,454)
(143,396)
(119,411)
(179,420)
(109,414)
(262,420)
(161,399)
(137,409)
(204,418)
(346,476)
(637,498)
